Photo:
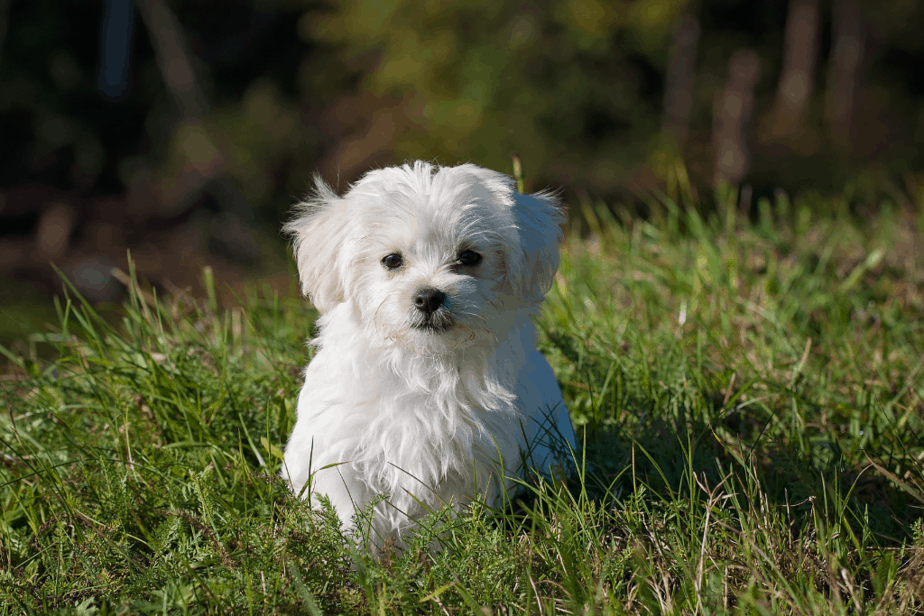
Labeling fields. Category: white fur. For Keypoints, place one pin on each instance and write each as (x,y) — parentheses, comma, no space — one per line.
(425,410)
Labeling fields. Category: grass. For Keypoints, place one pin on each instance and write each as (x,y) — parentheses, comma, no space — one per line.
(751,394)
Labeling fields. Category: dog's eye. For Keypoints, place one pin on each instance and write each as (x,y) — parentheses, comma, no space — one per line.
(469,257)
(393,261)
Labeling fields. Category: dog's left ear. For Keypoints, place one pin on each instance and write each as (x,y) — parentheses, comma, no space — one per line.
(533,264)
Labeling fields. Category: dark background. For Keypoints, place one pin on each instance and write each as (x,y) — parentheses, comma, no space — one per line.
(188,148)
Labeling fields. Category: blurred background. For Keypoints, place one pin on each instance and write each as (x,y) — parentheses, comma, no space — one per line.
(183,130)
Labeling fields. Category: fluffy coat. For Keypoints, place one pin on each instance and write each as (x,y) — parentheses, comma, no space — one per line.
(426,386)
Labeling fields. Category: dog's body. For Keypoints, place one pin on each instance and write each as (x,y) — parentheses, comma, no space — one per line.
(427,386)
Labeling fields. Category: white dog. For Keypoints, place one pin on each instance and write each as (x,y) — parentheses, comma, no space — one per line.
(427,386)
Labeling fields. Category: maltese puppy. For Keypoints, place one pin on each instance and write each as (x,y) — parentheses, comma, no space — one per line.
(426,386)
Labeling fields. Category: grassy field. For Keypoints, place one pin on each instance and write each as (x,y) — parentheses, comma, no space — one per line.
(751,394)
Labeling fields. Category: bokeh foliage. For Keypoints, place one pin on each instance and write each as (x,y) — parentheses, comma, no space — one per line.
(575,86)
(564,82)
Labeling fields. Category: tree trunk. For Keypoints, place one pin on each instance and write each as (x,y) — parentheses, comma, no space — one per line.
(847,50)
(797,80)
(731,117)
(681,74)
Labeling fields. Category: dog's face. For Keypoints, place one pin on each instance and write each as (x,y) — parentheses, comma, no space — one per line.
(429,258)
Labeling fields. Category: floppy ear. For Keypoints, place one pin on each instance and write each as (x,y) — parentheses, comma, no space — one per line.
(319,232)
(533,265)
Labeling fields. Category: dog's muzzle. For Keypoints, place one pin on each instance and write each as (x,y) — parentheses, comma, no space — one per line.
(431,312)
(428,300)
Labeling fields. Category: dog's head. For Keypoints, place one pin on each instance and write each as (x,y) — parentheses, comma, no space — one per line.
(427,256)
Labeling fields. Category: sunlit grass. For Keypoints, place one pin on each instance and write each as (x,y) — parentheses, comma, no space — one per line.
(752,396)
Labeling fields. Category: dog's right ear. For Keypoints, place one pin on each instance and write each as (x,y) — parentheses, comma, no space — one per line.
(319,231)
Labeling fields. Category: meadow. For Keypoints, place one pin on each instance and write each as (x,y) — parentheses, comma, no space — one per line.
(749,388)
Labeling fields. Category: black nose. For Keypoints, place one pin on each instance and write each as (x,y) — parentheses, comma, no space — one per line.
(428,299)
